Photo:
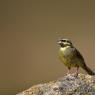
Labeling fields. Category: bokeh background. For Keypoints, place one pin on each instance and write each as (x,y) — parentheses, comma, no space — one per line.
(29,31)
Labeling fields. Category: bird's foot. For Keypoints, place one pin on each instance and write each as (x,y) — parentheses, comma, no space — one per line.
(76,74)
(67,73)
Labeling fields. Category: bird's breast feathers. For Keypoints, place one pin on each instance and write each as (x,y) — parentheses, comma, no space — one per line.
(66,55)
(66,51)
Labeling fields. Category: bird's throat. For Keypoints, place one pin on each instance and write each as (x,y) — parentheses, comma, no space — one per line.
(64,48)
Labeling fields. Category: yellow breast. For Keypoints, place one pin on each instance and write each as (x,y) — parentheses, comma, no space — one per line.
(65,55)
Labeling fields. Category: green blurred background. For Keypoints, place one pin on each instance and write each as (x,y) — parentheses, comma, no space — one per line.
(29,31)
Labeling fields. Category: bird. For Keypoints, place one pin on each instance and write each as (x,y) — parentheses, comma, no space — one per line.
(71,57)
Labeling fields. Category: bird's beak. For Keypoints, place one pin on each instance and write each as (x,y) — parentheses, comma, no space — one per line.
(59,42)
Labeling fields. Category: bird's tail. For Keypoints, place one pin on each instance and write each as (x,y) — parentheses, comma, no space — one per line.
(88,70)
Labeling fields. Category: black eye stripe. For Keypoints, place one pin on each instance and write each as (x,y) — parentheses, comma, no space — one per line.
(66,41)
(63,40)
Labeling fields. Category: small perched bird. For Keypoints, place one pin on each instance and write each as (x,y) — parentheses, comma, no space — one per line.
(71,57)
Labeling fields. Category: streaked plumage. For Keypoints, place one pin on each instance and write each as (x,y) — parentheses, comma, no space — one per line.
(71,57)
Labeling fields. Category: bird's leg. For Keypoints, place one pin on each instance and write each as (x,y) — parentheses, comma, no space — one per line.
(68,70)
(77,71)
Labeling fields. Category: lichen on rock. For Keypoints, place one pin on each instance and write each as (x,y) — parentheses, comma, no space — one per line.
(68,85)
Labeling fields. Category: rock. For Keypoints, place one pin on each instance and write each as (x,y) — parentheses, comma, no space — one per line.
(68,85)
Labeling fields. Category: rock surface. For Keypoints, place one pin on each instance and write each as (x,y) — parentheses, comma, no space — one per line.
(68,85)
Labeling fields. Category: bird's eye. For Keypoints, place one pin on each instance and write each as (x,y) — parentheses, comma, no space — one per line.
(68,41)
(63,40)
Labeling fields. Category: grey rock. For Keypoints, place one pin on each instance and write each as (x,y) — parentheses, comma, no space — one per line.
(68,85)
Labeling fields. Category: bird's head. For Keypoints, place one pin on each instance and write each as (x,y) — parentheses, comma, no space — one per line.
(65,42)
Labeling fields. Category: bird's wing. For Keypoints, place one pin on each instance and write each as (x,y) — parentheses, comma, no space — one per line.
(77,53)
